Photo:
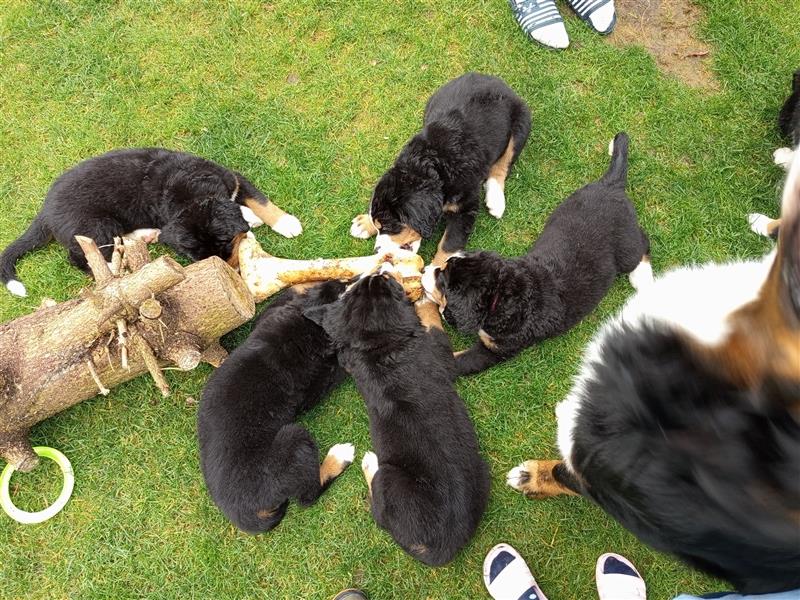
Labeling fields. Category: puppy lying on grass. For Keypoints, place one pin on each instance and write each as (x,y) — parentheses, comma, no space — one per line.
(428,483)
(253,455)
(512,303)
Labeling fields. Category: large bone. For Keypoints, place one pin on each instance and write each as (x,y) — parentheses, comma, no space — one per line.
(266,275)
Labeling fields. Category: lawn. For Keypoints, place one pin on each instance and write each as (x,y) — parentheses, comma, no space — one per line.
(312,101)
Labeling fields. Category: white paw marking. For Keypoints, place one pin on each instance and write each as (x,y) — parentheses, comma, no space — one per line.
(758,223)
(16,288)
(783,157)
(495,198)
(515,475)
(611,147)
(369,464)
(288,226)
(357,231)
(642,275)
(344,453)
(148,236)
(252,218)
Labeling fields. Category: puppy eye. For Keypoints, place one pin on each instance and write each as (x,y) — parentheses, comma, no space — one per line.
(405,247)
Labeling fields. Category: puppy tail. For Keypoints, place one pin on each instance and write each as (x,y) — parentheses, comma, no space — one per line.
(36,236)
(617,173)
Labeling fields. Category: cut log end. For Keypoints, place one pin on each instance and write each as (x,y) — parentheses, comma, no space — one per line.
(18,452)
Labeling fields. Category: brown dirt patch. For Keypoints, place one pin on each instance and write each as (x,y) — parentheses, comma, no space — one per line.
(666,28)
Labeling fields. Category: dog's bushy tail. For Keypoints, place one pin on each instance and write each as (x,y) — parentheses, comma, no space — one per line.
(617,173)
(37,235)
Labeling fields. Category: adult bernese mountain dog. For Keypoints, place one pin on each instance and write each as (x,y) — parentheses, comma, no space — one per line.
(428,484)
(513,303)
(474,128)
(684,420)
(253,455)
(193,205)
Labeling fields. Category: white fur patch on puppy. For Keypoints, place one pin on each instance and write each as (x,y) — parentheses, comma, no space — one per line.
(16,288)
(288,226)
(369,464)
(148,236)
(611,147)
(344,453)
(362,227)
(783,157)
(642,275)
(252,218)
(758,223)
(517,477)
(495,198)
(429,280)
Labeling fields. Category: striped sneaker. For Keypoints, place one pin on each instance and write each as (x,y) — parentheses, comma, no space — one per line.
(541,20)
(599,14)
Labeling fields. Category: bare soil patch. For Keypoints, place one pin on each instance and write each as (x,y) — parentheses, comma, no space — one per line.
(667,29)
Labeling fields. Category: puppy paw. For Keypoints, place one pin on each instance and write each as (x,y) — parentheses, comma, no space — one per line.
(519,476)
(783,157)
(642,275)
(288,226)
(611,147)
(362,227)
(758,223)
(369,464)
(17,288)
(344,453)
(495,198)
(252,218)
(148,236)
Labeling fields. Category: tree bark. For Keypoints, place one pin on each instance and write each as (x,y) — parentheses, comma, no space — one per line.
(63,354)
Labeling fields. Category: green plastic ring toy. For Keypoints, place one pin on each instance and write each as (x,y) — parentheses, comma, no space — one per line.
(52,510)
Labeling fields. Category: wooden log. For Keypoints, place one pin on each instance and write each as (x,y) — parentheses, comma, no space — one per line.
(63,354)
(266,275)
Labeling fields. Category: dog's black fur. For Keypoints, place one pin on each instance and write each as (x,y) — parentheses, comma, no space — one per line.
(183,195)
(690,463)
(432,485)
(588,240)
(789,117)
(466,128)
(253,455)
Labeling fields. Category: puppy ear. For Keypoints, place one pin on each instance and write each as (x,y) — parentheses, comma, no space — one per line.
(423,216)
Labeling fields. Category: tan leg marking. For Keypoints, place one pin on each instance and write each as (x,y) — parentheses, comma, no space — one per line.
(487,340)
(266,513)
(302,288)
(451,207)
(499,170)
(269,212)
(440,258)
(772,226)
(428,313)
(331,467)
(537,481)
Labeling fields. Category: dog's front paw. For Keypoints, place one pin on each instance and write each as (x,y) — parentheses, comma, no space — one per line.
(369,464)
(783,157)
(288,226)
(344,453)
(758,223)
(253,220)
(642,275)
(362,227)
(495,198)
(519,476)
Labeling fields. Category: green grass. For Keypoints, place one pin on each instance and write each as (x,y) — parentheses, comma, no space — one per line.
(312,100)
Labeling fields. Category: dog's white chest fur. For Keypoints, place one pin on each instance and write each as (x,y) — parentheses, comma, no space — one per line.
(695,300)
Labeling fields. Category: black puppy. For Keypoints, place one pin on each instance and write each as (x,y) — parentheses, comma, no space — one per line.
(193,205)
(789,125)
(428,484)
(474,128)
(513,303)
(253,455)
